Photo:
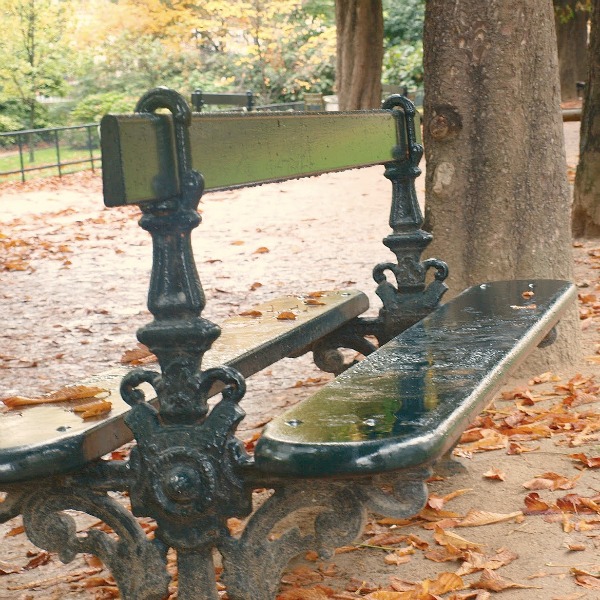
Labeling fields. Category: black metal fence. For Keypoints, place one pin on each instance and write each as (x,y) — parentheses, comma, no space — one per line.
(55,151)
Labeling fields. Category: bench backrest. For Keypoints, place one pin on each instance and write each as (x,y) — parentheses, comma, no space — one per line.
(236,150)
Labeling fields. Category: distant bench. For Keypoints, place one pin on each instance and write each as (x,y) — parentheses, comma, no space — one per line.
(367,440)
(242,100)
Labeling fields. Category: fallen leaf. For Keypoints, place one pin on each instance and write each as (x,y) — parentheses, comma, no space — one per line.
(386,595)
(140,355)
(18,530)
(286,316)
(544,378)
(38,559)
(444,583)
(251,313)
(255,286)
(75,392)
(490,440)
(262,250)
(591,462)
(443,538)
(476,561)
(535,505)
(7,569)
(551,481)
(516,448)
(476,518)
(586,579)
(490,580)
(93,409)
(575,547)
(397,558)
(445,554)
(495,474)
(316,593)
(313,302)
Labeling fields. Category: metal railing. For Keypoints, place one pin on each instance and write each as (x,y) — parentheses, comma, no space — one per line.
(61,149)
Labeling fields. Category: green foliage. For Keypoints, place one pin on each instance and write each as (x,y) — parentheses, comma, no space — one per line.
(403,21)
(131,64)
(94,107)
(32,58)
(403,65)
(403,40)
(8,123)
(15,115)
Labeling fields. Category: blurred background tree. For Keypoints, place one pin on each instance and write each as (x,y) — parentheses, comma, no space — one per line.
(114,50)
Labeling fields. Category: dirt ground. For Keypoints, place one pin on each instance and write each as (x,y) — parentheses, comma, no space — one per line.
(73,293)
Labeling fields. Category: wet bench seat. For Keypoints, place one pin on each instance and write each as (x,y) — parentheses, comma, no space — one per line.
(51,439)
(407,404)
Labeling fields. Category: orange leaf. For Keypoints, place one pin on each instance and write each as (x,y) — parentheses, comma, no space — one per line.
(496,474)
(313,302)
(19,529)
(261,250)
(490,580)
(286,316)
(93,409)
(591,462)
(551,481)
(75,392)
(139,355)
(251,313)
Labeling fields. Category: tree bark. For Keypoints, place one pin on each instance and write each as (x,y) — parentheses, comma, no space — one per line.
(586,205)
(497,196)
(359,25)
(572,38)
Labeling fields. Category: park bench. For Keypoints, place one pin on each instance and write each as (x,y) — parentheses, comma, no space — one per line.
(200,99)
(366,440)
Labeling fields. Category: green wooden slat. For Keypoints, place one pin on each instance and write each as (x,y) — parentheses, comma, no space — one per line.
(238,149)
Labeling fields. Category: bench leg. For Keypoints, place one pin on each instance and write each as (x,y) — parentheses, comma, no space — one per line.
(300,515)
(137,564)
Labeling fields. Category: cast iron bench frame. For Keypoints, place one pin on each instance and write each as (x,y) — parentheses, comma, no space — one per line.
(189,471)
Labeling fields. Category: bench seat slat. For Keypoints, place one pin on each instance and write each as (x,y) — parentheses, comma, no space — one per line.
(408,403)
(51,439)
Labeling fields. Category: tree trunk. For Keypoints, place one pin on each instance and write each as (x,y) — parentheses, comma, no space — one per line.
(359,25)
(497,196)
(572,37)
(586,206)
